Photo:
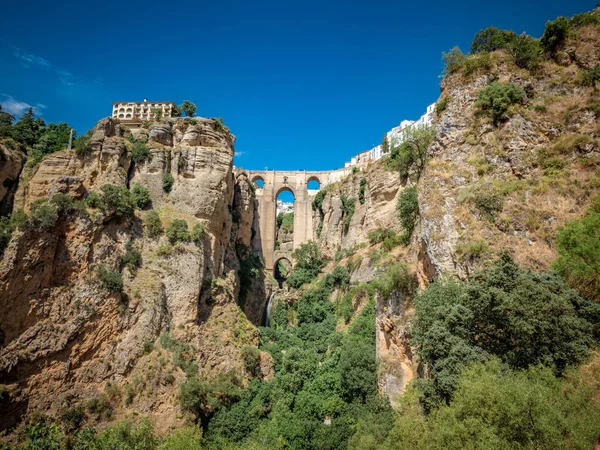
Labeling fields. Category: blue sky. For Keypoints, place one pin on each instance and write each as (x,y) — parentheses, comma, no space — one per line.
(303,85)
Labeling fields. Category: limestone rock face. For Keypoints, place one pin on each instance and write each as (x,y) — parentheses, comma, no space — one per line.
(63,335)
(399,364)
(106,161)
(377,212)
(11,164)
(487,186)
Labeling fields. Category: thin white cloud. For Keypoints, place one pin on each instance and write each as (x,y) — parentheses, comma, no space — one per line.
(17,107)
(238,153)
(29,60)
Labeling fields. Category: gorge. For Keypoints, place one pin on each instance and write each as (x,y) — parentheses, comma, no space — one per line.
(443,296)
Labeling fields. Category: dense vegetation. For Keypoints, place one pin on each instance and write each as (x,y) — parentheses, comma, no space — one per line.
(33,136)
(325,380)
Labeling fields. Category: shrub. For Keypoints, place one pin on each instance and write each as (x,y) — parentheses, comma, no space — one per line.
(153,224)
(527,51)
(63,203)
(578,245)
(198,232)
(204,398)
(361,192)
(555,34)
(492,39)
(524,318)
(117,201)
(397,278)
(392,242)
(132,258)
(82,143)
(140,152)
(177,231)
(379,235)
(589,77)
(408,210)
(453,60)
(411,155)
(348,206)
(441,106)
(140,197)
(489,204)
(188,108)
(340,276)
(111,280)
(168,181)
(94,200)
(584,19)
(477,61)
(496,97)
(469,251)
(317,203)
(43,214)
(251,357)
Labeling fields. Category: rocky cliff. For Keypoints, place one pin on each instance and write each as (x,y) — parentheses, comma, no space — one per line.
(65,338)
(488,186)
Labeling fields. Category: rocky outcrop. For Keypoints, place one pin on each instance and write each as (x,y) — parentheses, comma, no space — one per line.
(509,185)
(398,362)
(64,336)
(378,211)
(106,161)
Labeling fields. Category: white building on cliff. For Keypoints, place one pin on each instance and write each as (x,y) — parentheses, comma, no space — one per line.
(394,136)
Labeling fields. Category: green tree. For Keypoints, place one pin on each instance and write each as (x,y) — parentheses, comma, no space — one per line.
(496,97)
(168,182)
(385,145)
(140,152)
(153,224)
(578,245)
(140,197)
(28,129)
(494,407)
(555,34)
(411,155)
(453,60)
(175,112)
(408,211)
(177,231)
(54,138)
(522,317)
(111,280)
(117,201)
(6,121)
(43,214)
(188,108)
(492,39)
(309,262)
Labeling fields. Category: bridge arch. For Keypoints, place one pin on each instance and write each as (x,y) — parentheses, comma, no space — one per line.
(258,181)
(314,180)
(265,212)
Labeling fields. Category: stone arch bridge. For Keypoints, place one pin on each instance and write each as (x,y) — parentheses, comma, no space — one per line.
(265,212)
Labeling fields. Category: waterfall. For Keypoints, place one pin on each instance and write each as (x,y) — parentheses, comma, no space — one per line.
(268,311)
